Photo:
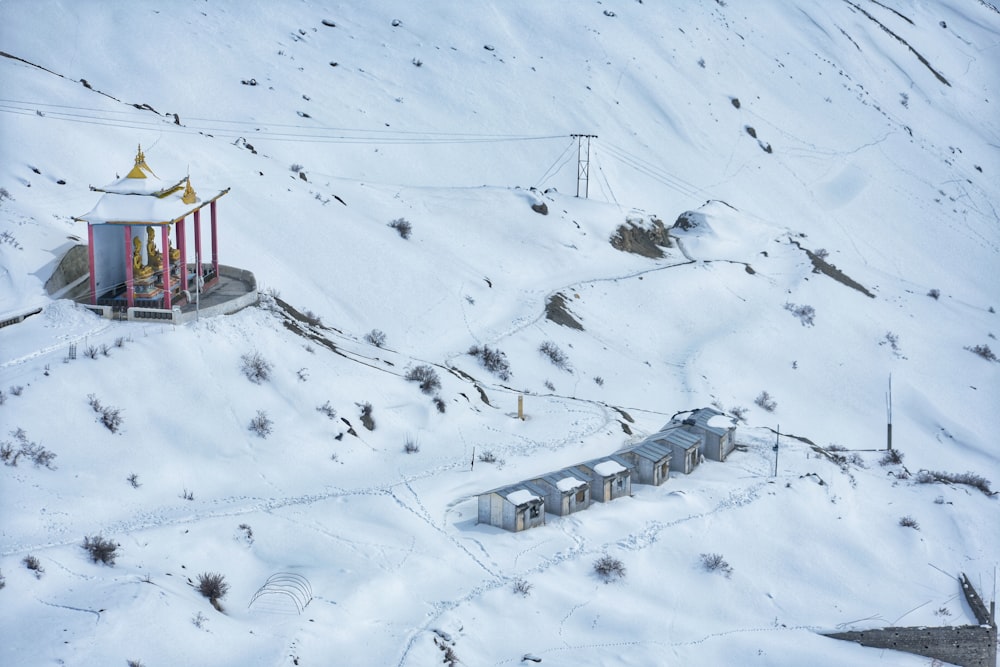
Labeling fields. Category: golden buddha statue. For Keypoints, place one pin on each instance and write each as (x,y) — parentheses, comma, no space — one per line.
(139,270)
(153,257)
(172,252)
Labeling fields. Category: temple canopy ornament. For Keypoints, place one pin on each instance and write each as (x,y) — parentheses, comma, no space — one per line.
(140,168)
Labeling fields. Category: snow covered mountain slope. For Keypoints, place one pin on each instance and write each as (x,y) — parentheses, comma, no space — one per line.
(839,161)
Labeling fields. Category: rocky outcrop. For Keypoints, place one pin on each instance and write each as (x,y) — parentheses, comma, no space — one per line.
(642,237)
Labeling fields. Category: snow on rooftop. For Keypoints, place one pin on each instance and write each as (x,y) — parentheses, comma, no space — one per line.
(522,497)
(569,483)
(720,421)
(606,468)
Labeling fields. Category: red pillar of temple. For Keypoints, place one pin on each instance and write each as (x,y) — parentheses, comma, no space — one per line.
(90,258)
(215,240)
(165,265)
(129,272)
(182,247)
(197,247)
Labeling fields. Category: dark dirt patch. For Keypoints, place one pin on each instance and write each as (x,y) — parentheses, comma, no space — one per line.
(820,265)
(555,310)
(483,396)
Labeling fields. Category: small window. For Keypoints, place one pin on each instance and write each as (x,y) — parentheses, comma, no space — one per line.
(535,511)
(621,483)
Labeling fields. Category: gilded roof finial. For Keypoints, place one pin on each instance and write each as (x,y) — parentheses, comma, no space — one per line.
(140,168)
(189,196)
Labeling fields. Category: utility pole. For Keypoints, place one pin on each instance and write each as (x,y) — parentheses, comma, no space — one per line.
(583,163)
(777,436)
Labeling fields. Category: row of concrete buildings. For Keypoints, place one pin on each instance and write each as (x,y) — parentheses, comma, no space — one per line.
(679,446)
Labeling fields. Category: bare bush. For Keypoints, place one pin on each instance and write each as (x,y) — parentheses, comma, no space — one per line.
(91,352)
(100,549)
(134,663)
(909,522)
(199,620)
(133,480)
(555,355)
(609,568)
(16,390)
(327,410)
(255,367)
(521,587)
(111,417)
(411,446)
(893,341)
(493,360)
(487,456)
(599,381)
(366,416)
(375,337)
(439,404)
(935,294)
(311,318)
(426,376)
(34,565)
(966,478)
(261,424)
(22,447)
(3,581)
(187,495)
(766,402)
(983,351)
(3,397)
(892,457)
(295,168)
(716,563)
(739,413)
(213,586)
(806,314)
(402,226)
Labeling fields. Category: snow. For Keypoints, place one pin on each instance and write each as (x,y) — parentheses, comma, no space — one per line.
(569,483)
(522,497)
(873,160)
(720,421)
(608,468)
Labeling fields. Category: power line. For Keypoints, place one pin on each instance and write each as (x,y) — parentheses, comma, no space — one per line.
(654,171)
(260,131)
(549,172)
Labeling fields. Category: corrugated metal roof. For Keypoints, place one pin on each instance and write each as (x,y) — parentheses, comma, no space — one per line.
(650,449)
(677,435)
(553,479)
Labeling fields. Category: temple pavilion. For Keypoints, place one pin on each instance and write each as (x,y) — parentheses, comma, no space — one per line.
(139,243)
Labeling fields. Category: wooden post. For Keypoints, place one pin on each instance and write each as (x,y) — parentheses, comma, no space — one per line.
(888,413)
(520,407)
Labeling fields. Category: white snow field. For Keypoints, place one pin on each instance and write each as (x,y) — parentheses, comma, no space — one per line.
(866,133)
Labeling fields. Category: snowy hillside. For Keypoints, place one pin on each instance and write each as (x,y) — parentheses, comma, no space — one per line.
(835,168)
